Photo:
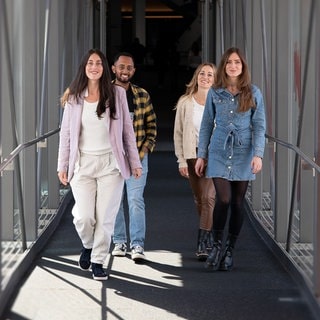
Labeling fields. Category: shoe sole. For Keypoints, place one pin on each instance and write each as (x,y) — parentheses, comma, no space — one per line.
(138,257)
(119,254)
(213,267)
(84,269)
(202,258)
(100,278)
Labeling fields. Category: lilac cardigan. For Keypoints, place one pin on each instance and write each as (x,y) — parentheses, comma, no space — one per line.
(122,137)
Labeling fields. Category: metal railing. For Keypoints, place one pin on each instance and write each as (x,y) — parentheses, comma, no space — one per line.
(17,251)
(298,238)
(14,157)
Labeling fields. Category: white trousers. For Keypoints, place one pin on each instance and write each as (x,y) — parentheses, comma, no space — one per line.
(97,188)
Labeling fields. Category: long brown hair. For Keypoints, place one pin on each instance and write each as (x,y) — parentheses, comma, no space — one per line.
(246,100)
(80,82)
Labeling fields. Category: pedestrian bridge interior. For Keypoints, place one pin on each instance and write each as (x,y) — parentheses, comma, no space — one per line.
(278,273)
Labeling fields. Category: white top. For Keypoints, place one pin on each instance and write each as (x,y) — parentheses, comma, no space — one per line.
(197,117)
(94,137)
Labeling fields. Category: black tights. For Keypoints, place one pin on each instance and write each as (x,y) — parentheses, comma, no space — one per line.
(229,194)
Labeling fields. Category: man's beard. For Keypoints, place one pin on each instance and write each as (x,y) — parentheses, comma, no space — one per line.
(123,81)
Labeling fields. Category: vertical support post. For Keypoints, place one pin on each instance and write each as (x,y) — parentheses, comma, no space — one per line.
(26,76)
(103,26)
(139,21)
(300,122)
(52,109)
(1,212)
(8,129)
(42,120)
(316,238)
(205,23)
(220,3)
(283,125)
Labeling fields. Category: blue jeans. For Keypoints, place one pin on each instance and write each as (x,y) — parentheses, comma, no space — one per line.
(137,220)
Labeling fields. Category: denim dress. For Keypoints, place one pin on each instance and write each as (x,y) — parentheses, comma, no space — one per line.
(229,139)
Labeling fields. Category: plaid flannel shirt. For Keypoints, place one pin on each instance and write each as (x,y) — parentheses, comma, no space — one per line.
(144,121)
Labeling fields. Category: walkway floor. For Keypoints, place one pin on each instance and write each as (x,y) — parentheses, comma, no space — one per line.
(172,284)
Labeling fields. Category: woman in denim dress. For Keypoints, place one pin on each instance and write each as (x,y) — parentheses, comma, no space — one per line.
(231,147)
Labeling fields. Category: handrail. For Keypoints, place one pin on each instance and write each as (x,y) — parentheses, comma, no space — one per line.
(7,161)
(312,164)
(22,146)
(293,231)
(296,149)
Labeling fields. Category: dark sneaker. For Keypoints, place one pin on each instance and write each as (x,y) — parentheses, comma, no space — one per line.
(120,250)
(85,259)
(98,273)
(137,253)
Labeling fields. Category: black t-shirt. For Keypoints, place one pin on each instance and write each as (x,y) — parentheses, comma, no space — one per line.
(131,105)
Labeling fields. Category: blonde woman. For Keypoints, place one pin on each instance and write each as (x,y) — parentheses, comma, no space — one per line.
(189,111)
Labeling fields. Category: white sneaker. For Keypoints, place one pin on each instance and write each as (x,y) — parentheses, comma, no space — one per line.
(120,250)
(137,253)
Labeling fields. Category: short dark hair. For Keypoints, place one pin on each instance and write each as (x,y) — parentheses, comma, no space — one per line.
(123,53)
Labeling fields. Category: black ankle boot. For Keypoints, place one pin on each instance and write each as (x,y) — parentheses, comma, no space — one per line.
(226,263)
(202,252)
(213,261)
(209,240)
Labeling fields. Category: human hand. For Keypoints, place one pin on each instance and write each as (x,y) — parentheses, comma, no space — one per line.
(200,167)
(256,164)
(184,172)
(137,172)
(63,177)
(145,149)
